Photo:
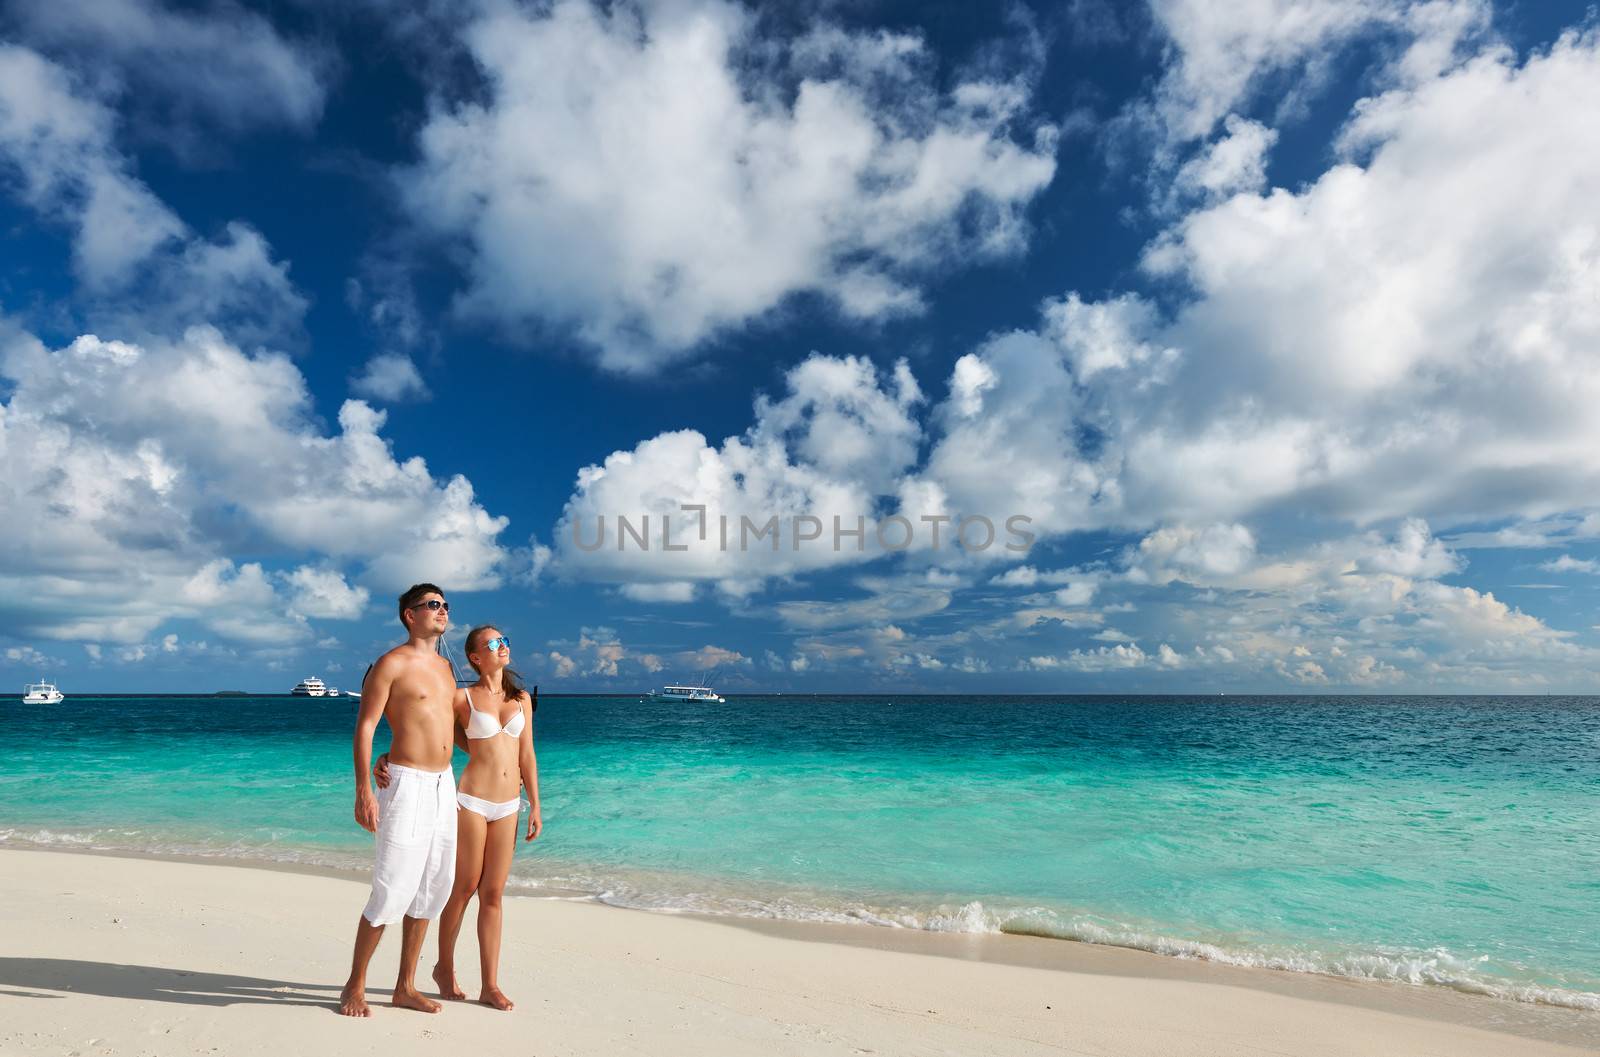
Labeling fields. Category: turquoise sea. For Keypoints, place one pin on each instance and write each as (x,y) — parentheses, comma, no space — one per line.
(1447,841)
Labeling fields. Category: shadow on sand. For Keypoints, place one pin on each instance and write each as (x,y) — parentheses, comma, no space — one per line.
(36,977)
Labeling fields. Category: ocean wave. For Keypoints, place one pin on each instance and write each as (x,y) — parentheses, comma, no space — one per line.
(1438,967)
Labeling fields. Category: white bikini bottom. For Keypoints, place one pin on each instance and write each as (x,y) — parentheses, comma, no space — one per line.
(488,808)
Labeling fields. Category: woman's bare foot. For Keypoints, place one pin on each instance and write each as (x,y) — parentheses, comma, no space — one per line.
(411,998)
(450,991)
(353,1001)
(493,996)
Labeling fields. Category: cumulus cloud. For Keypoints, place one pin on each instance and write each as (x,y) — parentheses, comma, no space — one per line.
(226,65)
(28,657)
(842,434)
(142,268)
(1235,163)
(634,175)
(1407,336)
(1182,552)
(1221,56)
(390,377)
(326,594)
(58,143)
(141,481)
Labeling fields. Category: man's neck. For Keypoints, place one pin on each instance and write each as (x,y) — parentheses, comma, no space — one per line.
(424,643)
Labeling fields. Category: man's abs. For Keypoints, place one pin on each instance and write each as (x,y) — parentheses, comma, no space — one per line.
(421,720)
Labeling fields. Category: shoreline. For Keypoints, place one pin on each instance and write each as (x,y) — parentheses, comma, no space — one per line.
(863,931)
(1062,959)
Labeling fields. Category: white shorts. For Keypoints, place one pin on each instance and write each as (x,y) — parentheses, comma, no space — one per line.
(416,863)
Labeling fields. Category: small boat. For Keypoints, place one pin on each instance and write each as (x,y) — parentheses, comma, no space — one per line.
(350,693)
(42,693)
(331,692)
(310,686)
(686,693)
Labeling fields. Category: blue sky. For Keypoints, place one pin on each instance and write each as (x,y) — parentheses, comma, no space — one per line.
(1277,323)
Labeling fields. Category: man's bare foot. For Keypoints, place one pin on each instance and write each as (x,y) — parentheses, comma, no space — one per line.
(353,1001)
(411,998)
(450,991)
(493,996)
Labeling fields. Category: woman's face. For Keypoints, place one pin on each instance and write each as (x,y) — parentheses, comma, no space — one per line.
(493,651)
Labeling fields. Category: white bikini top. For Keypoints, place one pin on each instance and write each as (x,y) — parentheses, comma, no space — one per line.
(486,724)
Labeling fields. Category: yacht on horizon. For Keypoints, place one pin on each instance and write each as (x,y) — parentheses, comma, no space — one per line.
(687,693)
(42,693)
(310,686)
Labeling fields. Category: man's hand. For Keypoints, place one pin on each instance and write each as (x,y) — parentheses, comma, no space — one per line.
(535,822)
(367,810)
(380,771)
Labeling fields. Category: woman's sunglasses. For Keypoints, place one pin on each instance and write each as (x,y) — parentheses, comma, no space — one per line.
(494,645)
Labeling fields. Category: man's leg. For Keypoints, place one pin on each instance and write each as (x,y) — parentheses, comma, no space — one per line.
(412,932)
(353,999)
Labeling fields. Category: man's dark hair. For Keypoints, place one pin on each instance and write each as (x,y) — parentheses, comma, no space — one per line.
(414,594)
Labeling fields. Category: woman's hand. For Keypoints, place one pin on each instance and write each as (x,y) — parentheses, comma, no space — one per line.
(535,822)
(380,771)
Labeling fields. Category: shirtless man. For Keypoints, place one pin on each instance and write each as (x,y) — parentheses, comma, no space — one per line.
(415,816)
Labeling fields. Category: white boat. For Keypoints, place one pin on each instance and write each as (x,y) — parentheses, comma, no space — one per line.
(310,686)
(332,692)
(42,693)
(687,693)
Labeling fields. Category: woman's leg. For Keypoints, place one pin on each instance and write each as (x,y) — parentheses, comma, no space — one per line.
(498,849)
(470,829)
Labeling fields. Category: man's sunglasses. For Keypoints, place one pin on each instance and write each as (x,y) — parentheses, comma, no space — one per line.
(494,645)
(432,603)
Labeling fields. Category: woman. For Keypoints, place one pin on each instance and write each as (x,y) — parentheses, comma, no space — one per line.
(495,715)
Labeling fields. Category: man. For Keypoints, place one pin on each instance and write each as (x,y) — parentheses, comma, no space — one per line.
(415,816)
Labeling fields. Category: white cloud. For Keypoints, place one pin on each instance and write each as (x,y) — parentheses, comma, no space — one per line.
(838,436)
(390,377)
(1235,163)
(60,145)
(709,657)
(143,454)
(227,64)
(1079,593)
(325,594)
(1099,659)
(888,600)
(632,177)
(1220,56)
(1194,555)
(666,591)
(1450,274)
(142,268)
(28,656)
(1408,336)
(1568,564)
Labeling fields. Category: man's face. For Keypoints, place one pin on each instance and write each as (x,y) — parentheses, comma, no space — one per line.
(430,614)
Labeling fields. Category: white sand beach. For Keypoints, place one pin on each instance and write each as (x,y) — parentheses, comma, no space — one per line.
(107,955)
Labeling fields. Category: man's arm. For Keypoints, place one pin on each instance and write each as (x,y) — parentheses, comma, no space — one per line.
(530,767)
(374,698)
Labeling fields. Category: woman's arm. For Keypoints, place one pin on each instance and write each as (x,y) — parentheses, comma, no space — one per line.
(530,769)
